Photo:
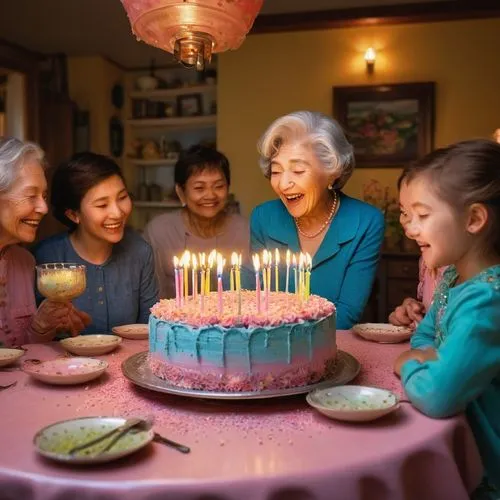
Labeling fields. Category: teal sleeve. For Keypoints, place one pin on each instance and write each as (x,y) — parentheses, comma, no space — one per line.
(468,359)
(257,238)
(360,275)
(426,331)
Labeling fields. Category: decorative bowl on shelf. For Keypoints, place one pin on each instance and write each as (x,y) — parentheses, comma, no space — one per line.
(61,282)
(147,82)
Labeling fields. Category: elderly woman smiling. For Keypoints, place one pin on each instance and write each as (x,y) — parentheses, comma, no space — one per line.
(23,190)
(308,160)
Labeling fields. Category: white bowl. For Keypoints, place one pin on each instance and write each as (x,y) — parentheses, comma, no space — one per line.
(9,356)
(55,441)
(147,82)
(91,345)
(138,331)
(353,403)
(65,371)
(383,332)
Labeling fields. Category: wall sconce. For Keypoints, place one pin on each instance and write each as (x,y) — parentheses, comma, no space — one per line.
(370,56)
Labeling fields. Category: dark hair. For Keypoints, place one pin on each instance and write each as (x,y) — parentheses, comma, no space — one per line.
(197,159)
(462,174)
(73,179)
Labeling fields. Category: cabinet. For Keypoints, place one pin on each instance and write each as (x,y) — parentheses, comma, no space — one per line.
(397,278)
(171,112)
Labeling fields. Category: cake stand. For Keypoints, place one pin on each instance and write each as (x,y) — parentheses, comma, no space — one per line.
(136,369)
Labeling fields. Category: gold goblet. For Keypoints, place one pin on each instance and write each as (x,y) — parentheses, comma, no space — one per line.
(61,282)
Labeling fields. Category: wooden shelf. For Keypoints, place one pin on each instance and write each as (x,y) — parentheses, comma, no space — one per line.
(179,121)
(157,204)
(159,94)
(162,162)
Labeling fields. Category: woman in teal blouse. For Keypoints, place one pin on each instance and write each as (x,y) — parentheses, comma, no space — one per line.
(454,363)
(308,160)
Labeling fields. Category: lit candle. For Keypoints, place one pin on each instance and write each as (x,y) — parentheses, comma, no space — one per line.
(220,268)
(177,284)
(194,275)
(308,275)
(295,282)
(232,273)
(186,257)
(181,280)
(301,276)
(238,283)
(266,277)
(287,281)
(276,272)
(202,281)
(211,261)
(256,266)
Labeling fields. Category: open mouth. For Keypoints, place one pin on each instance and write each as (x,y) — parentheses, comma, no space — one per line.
(293,198)
(113,227)
(33,223)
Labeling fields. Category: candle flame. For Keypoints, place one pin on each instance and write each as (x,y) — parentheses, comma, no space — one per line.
(265,258)
(234,259)
(176,262)
(186,258)
(203,259)
(288,257)
(276,256)
(211,258)
(220,264)
(308,261)
(301,260)
(294,260)
(239,260)
(194,261)
(256,262)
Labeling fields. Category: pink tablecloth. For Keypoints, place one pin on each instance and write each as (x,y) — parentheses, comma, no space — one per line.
(269,449)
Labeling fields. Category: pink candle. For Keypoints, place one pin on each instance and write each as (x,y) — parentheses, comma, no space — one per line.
(220,267)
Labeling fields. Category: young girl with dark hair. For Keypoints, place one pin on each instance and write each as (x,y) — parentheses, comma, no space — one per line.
(453,204)
(89,195)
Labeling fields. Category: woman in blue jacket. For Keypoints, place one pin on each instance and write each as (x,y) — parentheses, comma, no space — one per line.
(308,160)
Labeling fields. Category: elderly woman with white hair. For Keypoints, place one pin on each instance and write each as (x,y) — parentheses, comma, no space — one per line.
(308,160)
(23,191)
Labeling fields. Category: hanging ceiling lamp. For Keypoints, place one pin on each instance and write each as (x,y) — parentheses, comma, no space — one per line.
(192,30)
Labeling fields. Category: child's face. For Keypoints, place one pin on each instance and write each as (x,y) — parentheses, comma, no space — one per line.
(436,227)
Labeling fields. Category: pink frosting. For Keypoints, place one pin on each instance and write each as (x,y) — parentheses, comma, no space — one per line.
(283,308)
(295,376)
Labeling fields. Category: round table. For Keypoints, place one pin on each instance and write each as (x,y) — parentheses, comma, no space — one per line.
(278,449)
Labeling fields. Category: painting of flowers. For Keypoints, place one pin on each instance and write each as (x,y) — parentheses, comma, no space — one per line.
(388,125)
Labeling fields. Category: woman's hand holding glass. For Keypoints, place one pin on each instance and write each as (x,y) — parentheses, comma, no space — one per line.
(53,318)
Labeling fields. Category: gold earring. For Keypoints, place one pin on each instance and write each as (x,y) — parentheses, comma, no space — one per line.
(330,186)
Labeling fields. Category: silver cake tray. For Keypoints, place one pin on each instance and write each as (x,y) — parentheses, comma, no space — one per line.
(137,370)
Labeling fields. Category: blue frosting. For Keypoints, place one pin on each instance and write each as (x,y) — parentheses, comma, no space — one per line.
(219,346)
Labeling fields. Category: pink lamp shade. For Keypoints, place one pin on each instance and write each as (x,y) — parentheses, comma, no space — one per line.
(192,29)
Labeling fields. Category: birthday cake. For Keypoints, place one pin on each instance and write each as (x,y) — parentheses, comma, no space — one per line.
(226,342)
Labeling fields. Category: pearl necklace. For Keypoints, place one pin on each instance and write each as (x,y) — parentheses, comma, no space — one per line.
(333,210)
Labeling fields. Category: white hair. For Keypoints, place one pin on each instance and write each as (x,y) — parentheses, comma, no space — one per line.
(13,155)
(322,133)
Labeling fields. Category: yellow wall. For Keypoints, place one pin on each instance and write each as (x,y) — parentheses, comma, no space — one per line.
(90,82)
(274,74)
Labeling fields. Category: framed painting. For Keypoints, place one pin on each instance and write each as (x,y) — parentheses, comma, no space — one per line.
(388,125)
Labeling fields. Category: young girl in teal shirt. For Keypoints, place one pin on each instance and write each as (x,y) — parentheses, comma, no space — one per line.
(452,201)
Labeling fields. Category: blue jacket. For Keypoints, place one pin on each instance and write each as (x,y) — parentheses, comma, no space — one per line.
(345,264)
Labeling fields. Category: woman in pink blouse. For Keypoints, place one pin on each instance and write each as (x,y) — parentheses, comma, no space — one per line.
(23,190)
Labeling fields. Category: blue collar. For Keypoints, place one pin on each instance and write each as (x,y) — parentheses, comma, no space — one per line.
(342,229)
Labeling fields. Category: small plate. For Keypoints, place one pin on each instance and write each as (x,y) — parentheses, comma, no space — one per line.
(55,441)
(91,345)
(137,331)
(353,403)
(65,371)
(383,332)
(9,356)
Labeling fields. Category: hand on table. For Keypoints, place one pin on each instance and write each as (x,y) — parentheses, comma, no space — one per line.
(420,355)
(408,313)
(52,318)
